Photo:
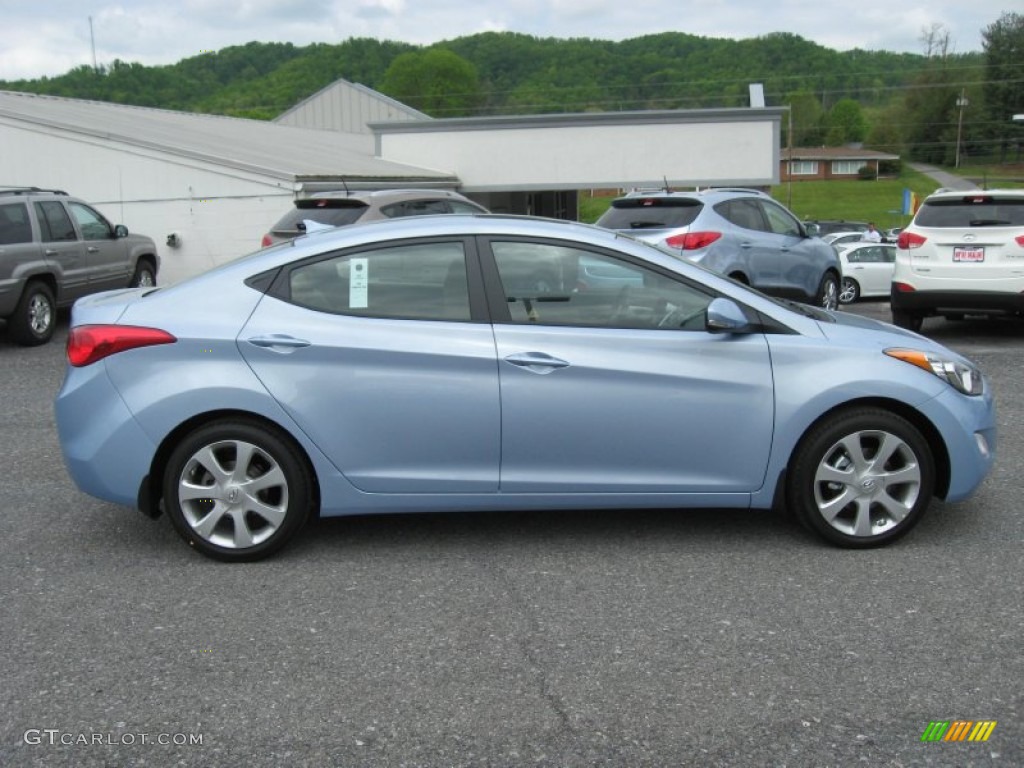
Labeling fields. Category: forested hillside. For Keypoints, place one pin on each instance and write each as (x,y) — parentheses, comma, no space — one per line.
(892,101)
(514,73)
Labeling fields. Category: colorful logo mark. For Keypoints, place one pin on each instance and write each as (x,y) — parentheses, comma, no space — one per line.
(958,730)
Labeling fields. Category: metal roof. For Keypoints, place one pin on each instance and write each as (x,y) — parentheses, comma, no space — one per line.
(279,151)
(345,106)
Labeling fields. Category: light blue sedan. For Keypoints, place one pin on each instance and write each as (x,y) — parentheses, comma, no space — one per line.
(489,363)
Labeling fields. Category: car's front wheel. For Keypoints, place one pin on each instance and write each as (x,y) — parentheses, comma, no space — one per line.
(237,490)
(850,291)
(828,292)
(861,477)
(35,317)
(145,275)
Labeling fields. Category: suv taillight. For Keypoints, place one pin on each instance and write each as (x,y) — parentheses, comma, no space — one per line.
(908,240)
(692,241)
(88,344)
(1020,240)
(267,241)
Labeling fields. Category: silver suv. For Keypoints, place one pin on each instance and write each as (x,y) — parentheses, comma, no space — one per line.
(962,254)
(55,248)
(339,209)
(741,233)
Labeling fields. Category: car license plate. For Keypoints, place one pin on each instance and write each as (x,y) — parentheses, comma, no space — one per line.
(968,254)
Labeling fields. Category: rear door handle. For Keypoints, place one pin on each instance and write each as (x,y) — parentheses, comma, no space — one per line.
(92,249)
(536,362)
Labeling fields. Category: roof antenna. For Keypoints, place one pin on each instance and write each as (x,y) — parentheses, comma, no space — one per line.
(345,185)
(668,189)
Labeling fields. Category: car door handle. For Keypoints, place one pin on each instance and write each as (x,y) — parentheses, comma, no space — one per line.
(536,362)
(92,249)
(50,252)
(279,342)
(746,244)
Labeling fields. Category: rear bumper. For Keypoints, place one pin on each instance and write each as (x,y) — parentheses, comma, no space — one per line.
(937,302)
(105,450)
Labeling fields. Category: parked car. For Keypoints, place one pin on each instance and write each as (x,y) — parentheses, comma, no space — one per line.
(837,239)
(405,366)
(339,209)
(55,248)
(963,253)
(822,227)
(741,233)
(867,270)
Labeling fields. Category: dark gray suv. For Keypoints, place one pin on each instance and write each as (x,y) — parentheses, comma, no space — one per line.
(55,248)
(741,233)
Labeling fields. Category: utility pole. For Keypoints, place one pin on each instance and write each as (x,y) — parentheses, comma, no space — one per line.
(961,102)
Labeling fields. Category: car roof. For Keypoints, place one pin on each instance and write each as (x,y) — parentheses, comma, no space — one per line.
(710,193)
(954,194)
(387,194)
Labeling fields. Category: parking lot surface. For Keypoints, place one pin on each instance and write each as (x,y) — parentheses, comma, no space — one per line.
(718,638)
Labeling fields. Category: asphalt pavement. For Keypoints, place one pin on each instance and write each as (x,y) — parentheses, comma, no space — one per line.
(654,638)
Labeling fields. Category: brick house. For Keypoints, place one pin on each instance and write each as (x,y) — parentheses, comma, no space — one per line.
(826,163)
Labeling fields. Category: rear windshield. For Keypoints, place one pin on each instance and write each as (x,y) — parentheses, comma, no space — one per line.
(650,213)
(328,211)
(972,211)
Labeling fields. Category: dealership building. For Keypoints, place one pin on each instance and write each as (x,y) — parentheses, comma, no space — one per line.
(207,187)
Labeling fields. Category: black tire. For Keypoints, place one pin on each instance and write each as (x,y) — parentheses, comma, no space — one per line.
(849,292)
(145,275)
(837,488)
(828,292)
(227,521)
(35,317)
(903,318)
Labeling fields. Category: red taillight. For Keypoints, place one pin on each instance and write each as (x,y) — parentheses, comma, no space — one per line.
(692,241)
(904,288)
(908,240)
(267,241)
(89,343)
(1020,240)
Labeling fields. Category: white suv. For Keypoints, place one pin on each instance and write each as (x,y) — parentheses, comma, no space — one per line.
(962,254)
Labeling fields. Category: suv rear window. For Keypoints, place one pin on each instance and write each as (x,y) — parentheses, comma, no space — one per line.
(971,211)
(328,211)
(650,213)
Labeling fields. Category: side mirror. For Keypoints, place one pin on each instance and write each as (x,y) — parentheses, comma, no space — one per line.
(120,231)
(725,316)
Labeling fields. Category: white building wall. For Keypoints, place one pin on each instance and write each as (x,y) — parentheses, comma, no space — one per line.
(557,156)
(218,213)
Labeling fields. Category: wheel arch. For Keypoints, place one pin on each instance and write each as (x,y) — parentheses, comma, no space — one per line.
(151,488)
(940,454)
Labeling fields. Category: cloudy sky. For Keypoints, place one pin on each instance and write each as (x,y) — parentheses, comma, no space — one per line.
(51,37)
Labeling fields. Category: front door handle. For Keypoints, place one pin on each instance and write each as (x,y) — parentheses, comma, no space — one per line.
(278,342)
(536,362)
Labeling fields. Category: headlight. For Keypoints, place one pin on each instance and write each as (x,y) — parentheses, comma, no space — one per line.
(965,378)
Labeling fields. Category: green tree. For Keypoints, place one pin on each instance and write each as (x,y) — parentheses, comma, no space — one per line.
(435,81)
(807,116)
(1003,42)
(846,123)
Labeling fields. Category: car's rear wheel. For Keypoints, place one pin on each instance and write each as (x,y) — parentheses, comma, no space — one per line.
(850,291)
(861,478)
(35,317)
(912,321)
(237,490)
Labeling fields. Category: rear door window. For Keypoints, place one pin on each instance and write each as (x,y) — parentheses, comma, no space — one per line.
(330,212)
(54,222)
(971,211)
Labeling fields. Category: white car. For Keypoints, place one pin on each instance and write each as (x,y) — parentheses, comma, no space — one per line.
(867,270)
(962,254)
(843,238)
